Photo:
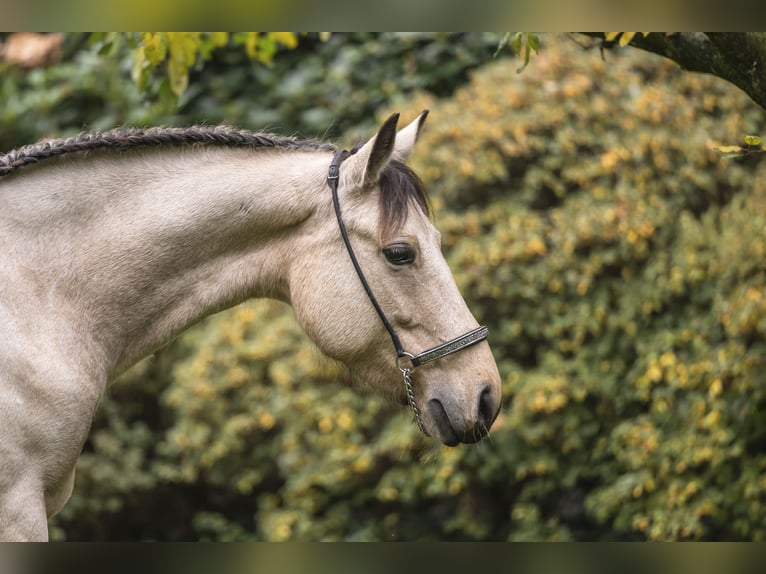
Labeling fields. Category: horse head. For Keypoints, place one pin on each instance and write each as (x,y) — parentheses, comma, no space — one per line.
(372,274)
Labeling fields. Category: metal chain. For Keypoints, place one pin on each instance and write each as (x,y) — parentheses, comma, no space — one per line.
(411,397)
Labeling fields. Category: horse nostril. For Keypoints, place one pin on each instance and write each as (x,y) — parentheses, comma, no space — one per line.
(484,419)
(487,410)
(469,429)
(442,422)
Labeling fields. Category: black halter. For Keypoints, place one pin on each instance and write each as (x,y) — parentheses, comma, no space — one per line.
(457,344)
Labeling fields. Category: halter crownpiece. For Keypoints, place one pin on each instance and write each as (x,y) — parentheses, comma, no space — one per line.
(452,346)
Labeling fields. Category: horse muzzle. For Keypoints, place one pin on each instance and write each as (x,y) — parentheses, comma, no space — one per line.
(452,426)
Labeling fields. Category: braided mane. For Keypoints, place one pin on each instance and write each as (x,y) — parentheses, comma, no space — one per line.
(399,184)
(122,139)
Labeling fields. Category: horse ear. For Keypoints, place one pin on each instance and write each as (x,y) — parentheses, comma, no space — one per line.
(366,164)
(406,138)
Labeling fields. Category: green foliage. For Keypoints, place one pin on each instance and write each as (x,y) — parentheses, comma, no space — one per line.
(521,42)
(620,270)
(322,87)
(619,266)
(179,51)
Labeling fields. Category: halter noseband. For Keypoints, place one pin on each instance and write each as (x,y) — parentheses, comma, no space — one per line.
(452,346)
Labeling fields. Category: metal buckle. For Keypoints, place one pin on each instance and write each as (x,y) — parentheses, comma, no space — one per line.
(400,362)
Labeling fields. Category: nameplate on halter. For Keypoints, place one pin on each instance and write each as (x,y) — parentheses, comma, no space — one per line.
(470,338)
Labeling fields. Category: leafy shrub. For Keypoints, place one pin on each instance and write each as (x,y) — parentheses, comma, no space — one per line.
(618,264)
(318,89)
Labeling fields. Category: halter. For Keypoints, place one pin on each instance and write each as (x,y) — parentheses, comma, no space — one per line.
(402,357)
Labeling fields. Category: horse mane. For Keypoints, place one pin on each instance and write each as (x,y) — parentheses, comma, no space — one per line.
(123,139)
(399,184)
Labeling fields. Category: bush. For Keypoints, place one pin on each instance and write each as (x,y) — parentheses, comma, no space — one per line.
(319,89)
(617,261)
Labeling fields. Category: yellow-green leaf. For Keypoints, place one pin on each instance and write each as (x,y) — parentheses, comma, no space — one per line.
(251,45)
(516,42)
(287,39)
(626,38)
(138,72)
(178,74)
(267,47)
(753,140)
(183,46)
(729,149)
(219,38)
(155,47)
(533,41)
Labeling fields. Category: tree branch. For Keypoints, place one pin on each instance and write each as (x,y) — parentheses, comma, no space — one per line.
(738,57)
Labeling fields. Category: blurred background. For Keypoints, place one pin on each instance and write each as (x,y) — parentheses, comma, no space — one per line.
(616,257)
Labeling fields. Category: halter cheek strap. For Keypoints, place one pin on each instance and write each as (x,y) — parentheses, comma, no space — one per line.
(452,346)
(332,180)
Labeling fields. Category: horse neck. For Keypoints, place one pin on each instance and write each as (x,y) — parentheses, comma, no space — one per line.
(142,246)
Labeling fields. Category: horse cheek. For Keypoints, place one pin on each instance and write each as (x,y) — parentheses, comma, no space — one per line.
(325,308)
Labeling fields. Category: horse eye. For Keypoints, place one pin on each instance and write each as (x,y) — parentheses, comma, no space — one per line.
(399,254)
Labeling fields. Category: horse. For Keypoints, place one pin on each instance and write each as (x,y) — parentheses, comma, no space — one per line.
(112,243)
